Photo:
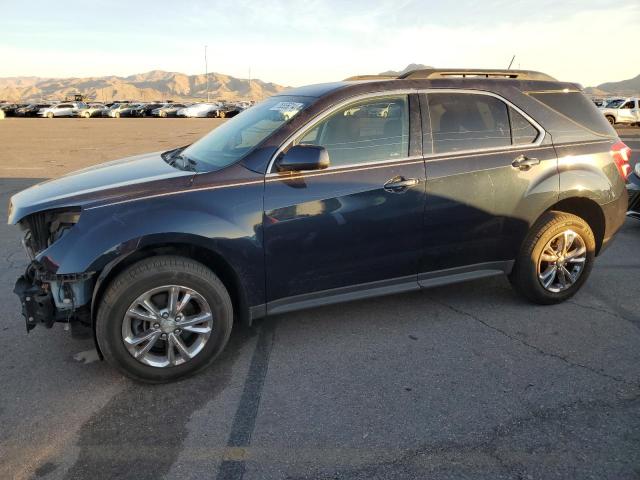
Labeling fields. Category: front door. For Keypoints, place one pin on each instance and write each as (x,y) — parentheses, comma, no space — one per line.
(356,226)
(629,112)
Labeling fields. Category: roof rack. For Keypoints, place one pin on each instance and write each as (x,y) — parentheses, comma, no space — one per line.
(466,72)
(370,77)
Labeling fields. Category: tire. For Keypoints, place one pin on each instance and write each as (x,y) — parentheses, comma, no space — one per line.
(222,114)
(163,114)
(86,115)
(117,114)
(49,114)
(525,275)
(611,119)
(157,273)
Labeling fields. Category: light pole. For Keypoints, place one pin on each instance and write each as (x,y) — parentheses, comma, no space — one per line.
(206,70)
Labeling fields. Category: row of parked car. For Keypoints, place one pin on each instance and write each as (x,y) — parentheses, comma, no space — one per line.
(620,110)
(124,109)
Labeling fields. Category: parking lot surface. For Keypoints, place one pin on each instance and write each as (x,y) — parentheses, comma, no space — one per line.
(465,381)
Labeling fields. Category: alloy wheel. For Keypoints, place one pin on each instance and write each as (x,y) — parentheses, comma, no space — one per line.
(167,326)
(562,261)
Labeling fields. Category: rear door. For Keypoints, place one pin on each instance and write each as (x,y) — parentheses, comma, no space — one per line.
(478,203)
(355,226)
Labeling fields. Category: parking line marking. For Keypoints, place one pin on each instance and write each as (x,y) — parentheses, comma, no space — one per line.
(244,420)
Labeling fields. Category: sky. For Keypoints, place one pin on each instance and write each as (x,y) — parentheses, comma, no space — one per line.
(311,41)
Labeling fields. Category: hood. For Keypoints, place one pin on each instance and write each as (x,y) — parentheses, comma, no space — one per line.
(127,177)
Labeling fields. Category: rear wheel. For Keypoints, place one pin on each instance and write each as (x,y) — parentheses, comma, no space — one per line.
(49,114)
(555,259)
(222,114)
(164,318)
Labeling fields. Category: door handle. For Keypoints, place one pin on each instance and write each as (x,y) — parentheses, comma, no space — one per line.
(400,184)
(523,162)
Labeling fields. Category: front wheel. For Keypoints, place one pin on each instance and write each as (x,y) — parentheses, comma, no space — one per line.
(611,120)
(555,260)
(164,318)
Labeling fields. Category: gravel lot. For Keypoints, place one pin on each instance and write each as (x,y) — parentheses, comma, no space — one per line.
(466,381)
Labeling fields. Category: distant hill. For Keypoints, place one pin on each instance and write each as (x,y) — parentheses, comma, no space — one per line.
(624,87)
(408,68)
(154,85)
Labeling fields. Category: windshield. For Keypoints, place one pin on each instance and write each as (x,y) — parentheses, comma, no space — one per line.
(614,103)
(238,136)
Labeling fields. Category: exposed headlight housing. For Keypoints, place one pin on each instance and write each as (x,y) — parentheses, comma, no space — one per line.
(43,229)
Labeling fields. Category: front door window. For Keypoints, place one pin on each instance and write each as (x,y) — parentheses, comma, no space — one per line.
(368,131)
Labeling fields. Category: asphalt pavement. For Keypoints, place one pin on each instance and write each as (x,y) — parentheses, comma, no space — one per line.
(465,381)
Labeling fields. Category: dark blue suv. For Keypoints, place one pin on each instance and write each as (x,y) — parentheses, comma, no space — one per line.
(323,194)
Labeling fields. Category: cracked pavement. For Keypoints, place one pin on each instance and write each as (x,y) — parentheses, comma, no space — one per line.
(464,381)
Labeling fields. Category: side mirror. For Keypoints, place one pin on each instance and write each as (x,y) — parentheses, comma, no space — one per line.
(303,157)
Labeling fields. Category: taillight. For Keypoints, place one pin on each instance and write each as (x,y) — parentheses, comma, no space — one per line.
(621,155)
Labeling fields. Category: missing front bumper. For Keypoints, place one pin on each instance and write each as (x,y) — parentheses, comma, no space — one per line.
(39,306)
(37,303)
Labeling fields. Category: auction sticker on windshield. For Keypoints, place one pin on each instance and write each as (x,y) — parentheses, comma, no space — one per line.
(287,107)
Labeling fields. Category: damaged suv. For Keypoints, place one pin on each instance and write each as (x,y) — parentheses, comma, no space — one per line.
(308,199)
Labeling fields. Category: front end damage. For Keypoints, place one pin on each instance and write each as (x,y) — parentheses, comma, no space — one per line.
(48,297)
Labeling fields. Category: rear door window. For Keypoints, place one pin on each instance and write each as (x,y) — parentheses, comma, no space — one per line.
(522,132)
(463,121)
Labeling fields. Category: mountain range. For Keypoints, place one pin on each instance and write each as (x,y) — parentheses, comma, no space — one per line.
(629,87)
(161,85)
(408,68)
(154,85)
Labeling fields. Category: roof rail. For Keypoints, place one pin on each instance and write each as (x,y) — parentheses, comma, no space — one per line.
(473,72)
(370,77)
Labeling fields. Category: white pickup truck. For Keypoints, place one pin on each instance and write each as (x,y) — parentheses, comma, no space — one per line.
(626,110)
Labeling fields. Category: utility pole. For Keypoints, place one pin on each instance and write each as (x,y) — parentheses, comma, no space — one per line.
(206,70)
(511,62)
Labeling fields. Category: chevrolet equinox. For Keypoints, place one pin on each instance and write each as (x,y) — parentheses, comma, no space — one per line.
(322,194)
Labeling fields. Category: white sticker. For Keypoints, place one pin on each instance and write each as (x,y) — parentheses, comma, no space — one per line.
(287,107)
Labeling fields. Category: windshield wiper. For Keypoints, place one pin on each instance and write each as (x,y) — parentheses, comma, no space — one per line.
(187,163)
(176,159)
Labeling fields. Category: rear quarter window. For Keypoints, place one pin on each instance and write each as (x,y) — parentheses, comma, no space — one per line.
(577,108)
